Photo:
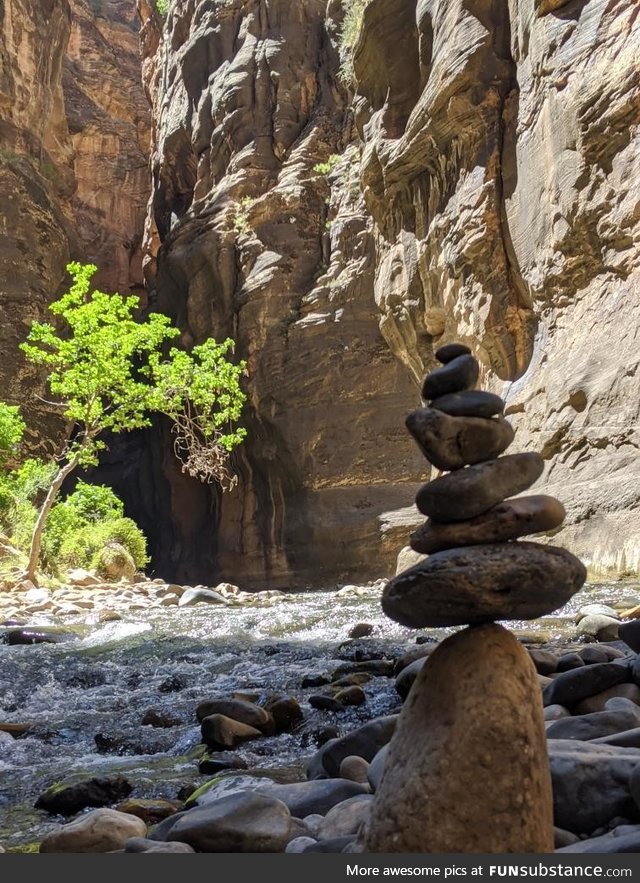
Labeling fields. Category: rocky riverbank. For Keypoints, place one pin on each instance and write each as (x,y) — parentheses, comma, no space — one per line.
(324,727)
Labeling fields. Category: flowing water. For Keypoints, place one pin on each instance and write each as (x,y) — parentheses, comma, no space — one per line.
(170,659)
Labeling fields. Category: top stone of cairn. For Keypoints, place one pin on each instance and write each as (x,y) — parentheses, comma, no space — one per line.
(477,571)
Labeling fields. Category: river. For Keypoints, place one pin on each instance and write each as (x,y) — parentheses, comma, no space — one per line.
(170,659)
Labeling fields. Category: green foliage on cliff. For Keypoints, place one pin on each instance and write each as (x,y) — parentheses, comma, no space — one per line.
(325,168)
(110,372)
(162,6)
(349,33)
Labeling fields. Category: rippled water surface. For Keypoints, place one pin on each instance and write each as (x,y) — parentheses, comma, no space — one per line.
(170,659)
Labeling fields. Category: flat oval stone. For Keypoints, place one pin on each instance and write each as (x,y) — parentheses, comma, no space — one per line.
(451,351)
(506,521)
(453,442)
(467,769)
(469,492)
(479,584)
(470,403)
(458,374)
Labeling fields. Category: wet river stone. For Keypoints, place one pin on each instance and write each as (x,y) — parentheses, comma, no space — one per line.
(466,769)
(469,492)
(453,442)
(103,830)
(506,521)
(471,403)
(477,584)
(241,822)
(458,374)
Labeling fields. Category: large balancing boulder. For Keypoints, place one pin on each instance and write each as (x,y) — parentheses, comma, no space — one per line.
(475,584)
(467,767)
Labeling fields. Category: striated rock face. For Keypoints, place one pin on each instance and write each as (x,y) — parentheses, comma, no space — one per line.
(263,236)
(500,165)
(73,168)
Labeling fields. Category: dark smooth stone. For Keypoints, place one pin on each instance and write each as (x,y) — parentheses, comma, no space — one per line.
(590,783)
(325,703)
(245,712)
(591,726)
(625,739)
(364,742)
(361,630)
(470,403)
(593,654)
(458,374)
(315,681)
(478,584)
(242,822)
(569,687)
(38,635)
(545,661)
(211,765)
(563,838)
(506,521)
(69,798)
(450,351)
(629,632)
(317,796)
(143,844)
(621,840)
(470,492)
(337,844)
(569,661)
(453,442)
(286,712)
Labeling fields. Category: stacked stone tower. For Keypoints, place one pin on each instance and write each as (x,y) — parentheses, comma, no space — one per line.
(467,768)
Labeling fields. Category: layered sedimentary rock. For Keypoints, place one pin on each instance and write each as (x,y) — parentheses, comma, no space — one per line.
(500,164)
(257,231)
(73,169)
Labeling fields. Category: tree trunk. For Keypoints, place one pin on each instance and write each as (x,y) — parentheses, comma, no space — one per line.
(43,514)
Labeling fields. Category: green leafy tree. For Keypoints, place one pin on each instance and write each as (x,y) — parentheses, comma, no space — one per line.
(108,374)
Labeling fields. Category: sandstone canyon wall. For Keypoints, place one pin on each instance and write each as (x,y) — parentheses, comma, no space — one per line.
(482,187)
(74,140)
(248,238)
(501,164)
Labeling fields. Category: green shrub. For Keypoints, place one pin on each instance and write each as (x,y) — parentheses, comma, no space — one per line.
(78,529)
(82,548)
(94,502)
(12,428)
(162,6)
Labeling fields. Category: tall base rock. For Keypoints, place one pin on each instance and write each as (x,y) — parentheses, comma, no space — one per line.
(467,769)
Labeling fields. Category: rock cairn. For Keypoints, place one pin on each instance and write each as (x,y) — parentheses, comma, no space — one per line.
(467,768)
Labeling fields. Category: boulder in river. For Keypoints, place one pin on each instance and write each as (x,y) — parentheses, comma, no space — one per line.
(103,830)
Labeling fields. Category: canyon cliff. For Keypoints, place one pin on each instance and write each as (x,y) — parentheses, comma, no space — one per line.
(341,204)
(74,143)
